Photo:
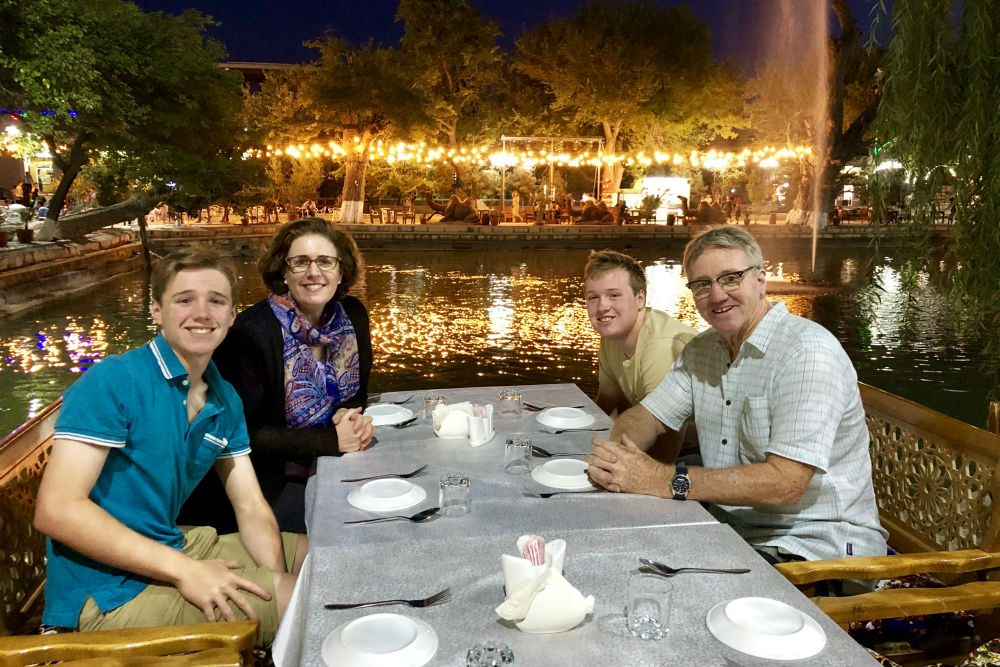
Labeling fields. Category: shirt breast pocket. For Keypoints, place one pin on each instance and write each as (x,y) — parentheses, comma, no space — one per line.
(206,453)
(754,429)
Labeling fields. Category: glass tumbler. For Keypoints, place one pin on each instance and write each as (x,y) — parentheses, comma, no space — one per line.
(510,403)
(454,495)
(431,400)
(489,654)
(649,606)
(517,455)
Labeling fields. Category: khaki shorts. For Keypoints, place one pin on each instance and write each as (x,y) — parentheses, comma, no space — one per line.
(161,604)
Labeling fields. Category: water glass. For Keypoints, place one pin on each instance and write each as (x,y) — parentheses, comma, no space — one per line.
(510,403)
(649,606)
(489,654)
(517,455)
(431,401)
(454,496)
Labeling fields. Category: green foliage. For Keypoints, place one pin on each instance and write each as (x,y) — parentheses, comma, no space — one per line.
(145,86)
(641,72)
(938,117)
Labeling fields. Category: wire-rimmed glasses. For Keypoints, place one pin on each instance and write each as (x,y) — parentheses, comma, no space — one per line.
(730,282)
(300,263)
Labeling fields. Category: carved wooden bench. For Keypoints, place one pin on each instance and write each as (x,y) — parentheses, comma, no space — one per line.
(23,455)
(936,485)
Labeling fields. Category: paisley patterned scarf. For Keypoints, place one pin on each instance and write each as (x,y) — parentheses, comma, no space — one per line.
(314,389)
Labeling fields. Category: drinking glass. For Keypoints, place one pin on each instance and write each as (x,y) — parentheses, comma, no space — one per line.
(431,400)
(454,496)
(649,606)
(489,654)
(510,403)
(517,455)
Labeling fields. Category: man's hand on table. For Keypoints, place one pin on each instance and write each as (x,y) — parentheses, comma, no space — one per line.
(623,467)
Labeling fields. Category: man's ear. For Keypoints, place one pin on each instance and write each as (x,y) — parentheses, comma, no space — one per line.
(640,298)
(155,313)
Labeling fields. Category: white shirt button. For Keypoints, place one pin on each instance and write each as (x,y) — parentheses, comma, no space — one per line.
(185,383)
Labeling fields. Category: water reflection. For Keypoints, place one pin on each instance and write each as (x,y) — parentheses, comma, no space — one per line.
(509,317)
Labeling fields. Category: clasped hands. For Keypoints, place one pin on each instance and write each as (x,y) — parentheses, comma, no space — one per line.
(621,467)
(354,430)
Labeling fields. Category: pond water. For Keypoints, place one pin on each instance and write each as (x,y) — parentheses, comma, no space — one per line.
(462,318)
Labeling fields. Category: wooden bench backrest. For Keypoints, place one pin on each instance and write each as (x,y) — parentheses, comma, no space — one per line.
(935,477)
(23,455)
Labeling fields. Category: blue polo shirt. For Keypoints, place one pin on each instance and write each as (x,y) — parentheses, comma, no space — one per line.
(135,404)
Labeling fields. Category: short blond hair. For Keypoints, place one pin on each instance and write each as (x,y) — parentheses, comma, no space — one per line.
(728,236)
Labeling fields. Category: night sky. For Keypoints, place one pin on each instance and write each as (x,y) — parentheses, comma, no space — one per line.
(273,31)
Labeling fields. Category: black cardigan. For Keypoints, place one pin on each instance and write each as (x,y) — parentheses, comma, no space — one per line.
(251,359)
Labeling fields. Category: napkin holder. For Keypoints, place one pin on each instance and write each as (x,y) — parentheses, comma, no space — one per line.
(464,420)
(539,599)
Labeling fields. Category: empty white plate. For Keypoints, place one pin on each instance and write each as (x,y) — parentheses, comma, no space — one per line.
(766,628)
(386,414)
(565,418)
(565,474)
(380,640)
(386,495)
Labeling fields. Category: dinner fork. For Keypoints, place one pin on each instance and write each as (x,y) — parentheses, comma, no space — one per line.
(416,518)
(437,598)
(395,401)
(557,431)
(404,475)
(667,571)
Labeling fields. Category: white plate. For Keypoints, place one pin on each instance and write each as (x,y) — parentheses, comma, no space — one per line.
(566,474)
(386,495)
(766,628)
(565,418)
(380,640)
(386,414)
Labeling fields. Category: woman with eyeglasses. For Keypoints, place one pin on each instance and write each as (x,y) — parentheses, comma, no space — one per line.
(300,360)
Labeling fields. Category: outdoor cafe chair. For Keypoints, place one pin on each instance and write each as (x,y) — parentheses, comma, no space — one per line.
(937,487)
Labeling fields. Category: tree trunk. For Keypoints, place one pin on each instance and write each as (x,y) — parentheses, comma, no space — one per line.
(147,260)
(79,225)
(353,201)
(70,168)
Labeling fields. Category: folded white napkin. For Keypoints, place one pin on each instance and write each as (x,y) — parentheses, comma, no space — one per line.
(539,599)
(464,420)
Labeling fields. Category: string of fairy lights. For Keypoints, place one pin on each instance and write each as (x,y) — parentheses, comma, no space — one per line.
(527,156)
(422,153)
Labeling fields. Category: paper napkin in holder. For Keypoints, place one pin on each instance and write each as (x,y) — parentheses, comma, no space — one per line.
(464,420)
(539,600)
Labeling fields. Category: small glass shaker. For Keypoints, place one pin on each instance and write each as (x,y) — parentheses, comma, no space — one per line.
(432,399)
(489,654)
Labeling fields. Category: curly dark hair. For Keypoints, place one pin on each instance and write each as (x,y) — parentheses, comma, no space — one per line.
(272,264)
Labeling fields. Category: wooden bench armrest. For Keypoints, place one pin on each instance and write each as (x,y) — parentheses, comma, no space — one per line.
(885,567)
(29,649)
(214,657)
(898,602)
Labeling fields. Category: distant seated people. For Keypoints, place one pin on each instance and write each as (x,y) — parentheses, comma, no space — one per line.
(134,435)
(638,344)
(41,207)
(775,398)
(300,361)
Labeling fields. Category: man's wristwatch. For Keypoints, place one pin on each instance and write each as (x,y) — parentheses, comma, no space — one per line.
(680,483)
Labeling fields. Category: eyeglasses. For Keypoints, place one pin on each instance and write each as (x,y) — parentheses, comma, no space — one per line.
(730,282)
(300,263)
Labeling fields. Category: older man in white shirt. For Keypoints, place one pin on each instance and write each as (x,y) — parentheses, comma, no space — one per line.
(780,421)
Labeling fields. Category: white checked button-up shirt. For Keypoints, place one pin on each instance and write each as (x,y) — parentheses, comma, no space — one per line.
(791,391)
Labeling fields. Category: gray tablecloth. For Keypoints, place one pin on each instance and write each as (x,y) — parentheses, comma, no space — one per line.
(605,535)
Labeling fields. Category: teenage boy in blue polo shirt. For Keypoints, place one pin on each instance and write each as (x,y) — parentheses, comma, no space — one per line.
(134,436)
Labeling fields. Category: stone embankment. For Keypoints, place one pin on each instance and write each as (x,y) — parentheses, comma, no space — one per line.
(38,272)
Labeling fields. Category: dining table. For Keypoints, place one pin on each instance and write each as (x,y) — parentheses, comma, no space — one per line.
(605,535)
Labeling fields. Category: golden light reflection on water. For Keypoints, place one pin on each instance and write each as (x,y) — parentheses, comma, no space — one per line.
(506,317)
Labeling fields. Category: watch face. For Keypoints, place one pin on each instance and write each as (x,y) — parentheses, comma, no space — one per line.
(680,485)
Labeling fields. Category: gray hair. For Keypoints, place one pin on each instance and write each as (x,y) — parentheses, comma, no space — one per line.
(723,237)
